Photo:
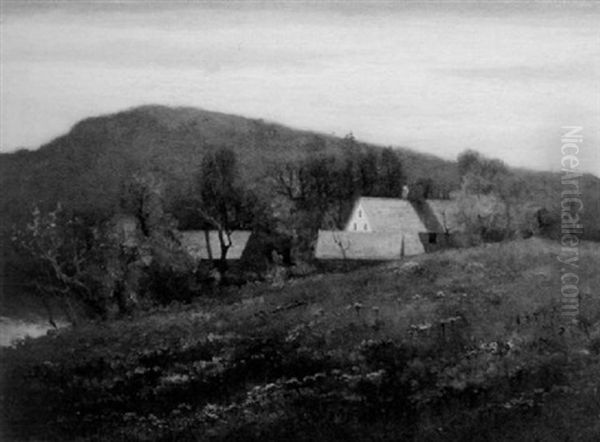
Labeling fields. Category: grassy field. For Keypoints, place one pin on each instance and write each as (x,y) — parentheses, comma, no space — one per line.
(457,345)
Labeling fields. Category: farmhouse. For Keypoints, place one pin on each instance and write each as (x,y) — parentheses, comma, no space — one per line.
(378,229)
(381,229)
(205,245)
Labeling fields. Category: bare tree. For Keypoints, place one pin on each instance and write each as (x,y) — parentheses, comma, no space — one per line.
(344,246)
(224,235)
(62,253)
(221,200)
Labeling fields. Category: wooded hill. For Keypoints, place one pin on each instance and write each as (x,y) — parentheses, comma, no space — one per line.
(85,168)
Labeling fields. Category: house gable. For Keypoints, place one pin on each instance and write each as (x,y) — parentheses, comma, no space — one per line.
(359,220)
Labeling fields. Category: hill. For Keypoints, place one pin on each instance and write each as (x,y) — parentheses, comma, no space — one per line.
(458,345)
(85,168)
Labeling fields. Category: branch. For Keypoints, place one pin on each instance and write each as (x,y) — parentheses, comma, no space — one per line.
(212,220)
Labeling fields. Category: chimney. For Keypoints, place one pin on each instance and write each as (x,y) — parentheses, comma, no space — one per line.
(404,192)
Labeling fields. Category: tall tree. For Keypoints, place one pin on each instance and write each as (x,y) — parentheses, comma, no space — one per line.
(368,173)
(221,198)
(391,175)
(421,190)
(141,196)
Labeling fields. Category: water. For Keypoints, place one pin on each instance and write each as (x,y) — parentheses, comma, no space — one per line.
(13,330)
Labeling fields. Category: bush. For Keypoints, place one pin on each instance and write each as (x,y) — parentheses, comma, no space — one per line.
(164,285)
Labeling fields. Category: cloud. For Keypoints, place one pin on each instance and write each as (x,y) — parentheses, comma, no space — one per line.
(525,73)
(437,79)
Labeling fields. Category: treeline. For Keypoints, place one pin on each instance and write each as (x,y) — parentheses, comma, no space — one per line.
(319,191)
(497,203)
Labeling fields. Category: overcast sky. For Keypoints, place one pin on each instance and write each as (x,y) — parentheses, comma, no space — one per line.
(501,78)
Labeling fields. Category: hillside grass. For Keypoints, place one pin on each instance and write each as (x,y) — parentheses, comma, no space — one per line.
(456,345)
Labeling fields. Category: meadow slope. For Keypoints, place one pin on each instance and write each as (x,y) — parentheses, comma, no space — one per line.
(457,345)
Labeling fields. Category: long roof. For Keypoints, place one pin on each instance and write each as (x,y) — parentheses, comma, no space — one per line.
(391,215)
(366,245)
(195,243)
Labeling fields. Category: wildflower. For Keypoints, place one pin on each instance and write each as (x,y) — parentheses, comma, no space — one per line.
(320,376)
(292,382)
(424,326)
(176,379)
(211,411)
(375,376)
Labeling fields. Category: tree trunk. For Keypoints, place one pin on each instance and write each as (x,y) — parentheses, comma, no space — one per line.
(48,308)
(120,297)
(69,310)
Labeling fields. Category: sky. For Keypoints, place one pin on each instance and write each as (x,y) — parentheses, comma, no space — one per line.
(503,78)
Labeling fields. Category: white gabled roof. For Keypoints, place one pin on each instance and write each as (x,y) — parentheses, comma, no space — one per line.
(391,215)
(194,241)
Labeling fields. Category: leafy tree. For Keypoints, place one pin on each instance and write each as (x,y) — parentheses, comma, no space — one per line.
(468,162)
(491,178)
(391,175)
(349,141)
(421,190)
(158,250)
(141,197)
(320,188)
(368,173)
